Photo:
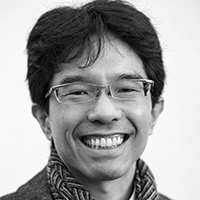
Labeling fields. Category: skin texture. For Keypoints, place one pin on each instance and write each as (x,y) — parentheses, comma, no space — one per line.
(106,173)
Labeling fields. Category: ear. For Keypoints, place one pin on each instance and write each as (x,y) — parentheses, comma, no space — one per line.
(43,119)
(155,113)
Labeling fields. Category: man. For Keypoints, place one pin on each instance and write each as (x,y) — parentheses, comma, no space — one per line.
(95,76)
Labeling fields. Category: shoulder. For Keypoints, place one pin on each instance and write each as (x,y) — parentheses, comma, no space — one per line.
(162,197)
(35,189)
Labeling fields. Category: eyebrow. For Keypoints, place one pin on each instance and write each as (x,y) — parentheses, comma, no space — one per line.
(72,79)
(129,76)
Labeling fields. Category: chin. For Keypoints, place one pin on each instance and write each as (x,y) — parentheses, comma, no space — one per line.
(108,173)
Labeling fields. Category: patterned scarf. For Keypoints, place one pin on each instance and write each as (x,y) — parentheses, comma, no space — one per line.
(64,186)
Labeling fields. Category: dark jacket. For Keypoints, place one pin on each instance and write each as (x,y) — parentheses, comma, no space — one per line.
(37,189)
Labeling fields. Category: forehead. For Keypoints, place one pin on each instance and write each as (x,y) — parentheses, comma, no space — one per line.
(116,59)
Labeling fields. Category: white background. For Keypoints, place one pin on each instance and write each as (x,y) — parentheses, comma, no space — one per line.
(173,151)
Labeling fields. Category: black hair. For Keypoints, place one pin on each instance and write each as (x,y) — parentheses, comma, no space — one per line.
(64,33)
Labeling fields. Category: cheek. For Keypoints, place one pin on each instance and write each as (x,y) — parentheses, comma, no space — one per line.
(140,113)
(64,120)
(140,117)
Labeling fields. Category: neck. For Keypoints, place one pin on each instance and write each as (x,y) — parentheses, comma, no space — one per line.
(118,189)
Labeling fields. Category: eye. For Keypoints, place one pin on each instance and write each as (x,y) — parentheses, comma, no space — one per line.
(77,93)
(127,90)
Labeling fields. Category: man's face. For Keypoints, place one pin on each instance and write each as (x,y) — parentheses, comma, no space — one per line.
(105,119)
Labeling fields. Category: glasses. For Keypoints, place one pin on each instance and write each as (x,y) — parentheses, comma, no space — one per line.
(79,92)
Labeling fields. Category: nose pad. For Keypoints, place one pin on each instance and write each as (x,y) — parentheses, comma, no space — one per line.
(104,110)
(107,92)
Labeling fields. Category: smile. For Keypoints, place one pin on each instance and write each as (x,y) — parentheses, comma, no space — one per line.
(106,142)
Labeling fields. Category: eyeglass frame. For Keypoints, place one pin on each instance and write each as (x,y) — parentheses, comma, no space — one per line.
(54,88)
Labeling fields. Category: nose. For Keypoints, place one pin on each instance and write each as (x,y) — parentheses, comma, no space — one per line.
(104,110)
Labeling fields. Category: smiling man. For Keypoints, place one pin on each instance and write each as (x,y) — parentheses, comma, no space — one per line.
(96,76)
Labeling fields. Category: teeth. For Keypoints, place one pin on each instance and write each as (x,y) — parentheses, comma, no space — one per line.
(104,142)
(109,142)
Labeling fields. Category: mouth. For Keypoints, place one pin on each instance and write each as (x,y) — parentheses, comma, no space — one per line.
(104,142)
